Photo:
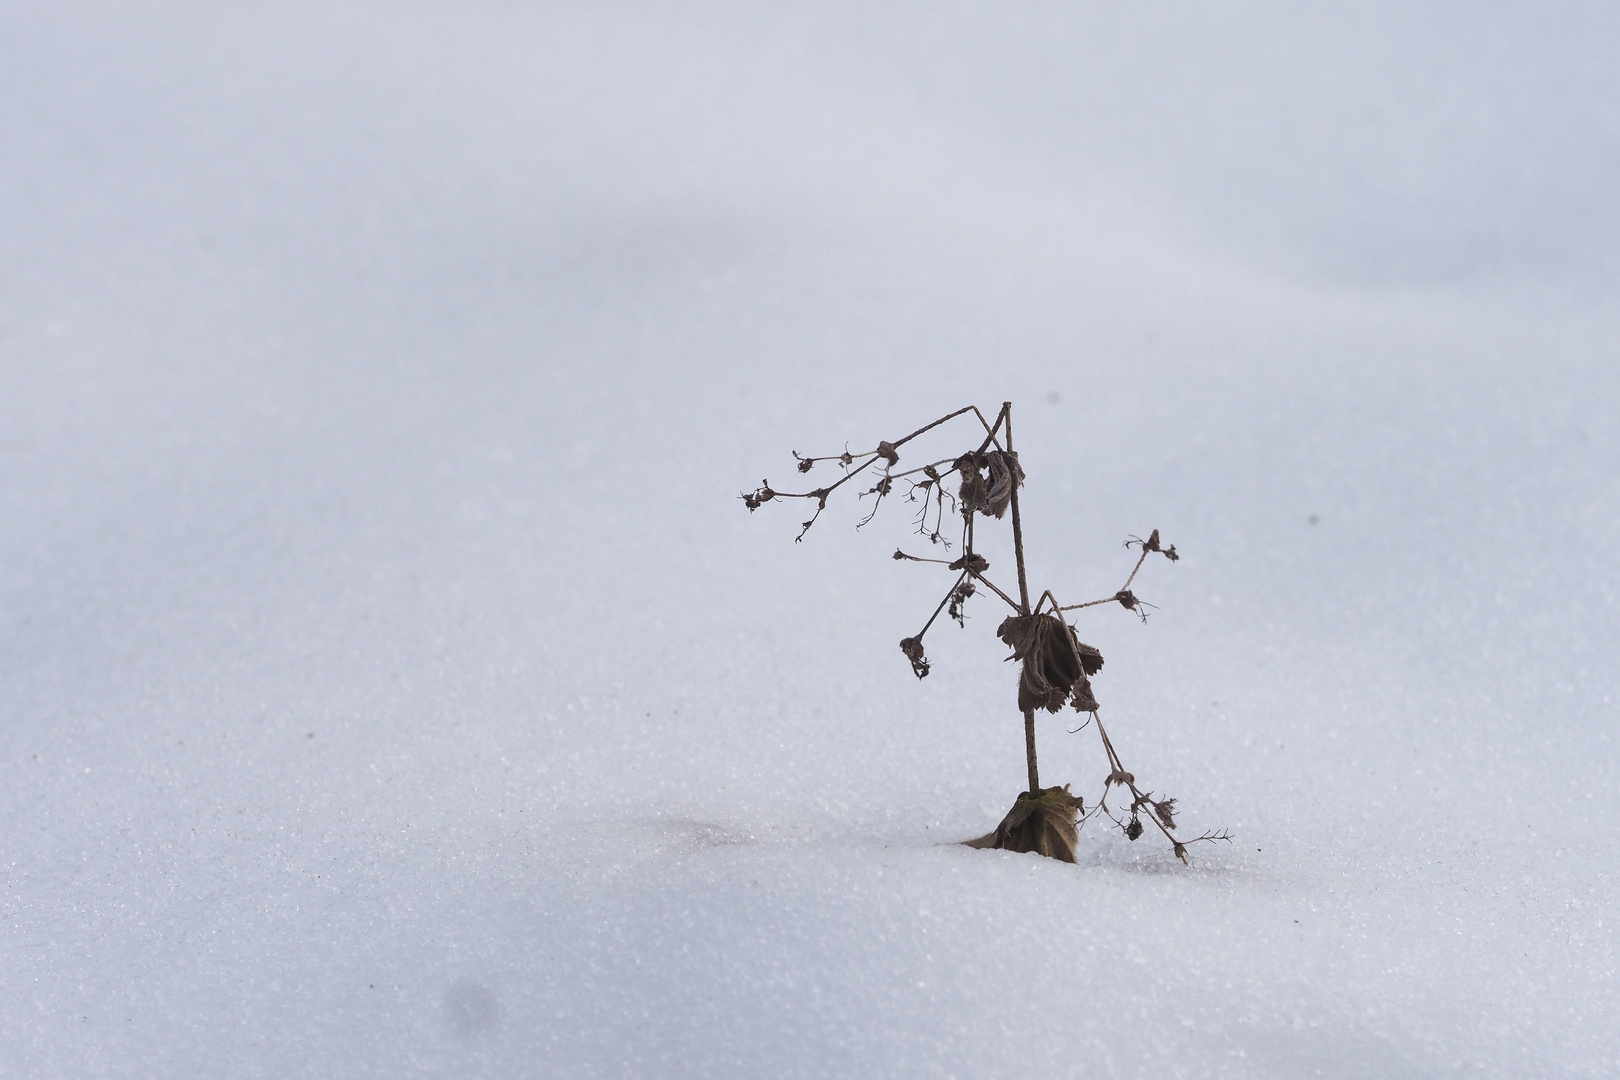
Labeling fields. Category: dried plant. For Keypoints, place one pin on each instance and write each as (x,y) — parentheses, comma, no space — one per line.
(1055,665)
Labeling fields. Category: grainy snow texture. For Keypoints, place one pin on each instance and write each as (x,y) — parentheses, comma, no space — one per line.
(392,683)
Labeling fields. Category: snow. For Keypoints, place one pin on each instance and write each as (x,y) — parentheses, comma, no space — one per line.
(394,685)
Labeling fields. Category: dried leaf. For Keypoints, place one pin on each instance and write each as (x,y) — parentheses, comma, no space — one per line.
(1005,475)
(1081,698)
(974,492)
(1054,660)
(887,452)
(1042,822)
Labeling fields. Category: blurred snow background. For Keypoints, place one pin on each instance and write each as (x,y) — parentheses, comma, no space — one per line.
(391,683)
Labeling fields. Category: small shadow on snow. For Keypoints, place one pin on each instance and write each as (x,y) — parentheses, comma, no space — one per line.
(1144,857)
(655,837)
(470,1008)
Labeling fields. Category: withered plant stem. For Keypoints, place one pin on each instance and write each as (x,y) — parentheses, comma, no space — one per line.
(960,578)
(1018,525)
(1013,603)
(1023,596)
(1029,752)
(1140,560)
(1136,794)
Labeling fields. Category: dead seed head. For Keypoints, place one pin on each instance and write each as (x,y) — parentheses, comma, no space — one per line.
(1127,599)
(959,596)
(887,452)
(1152,543)
(914,652)
(973,563)
(1133,828)
(760,495)
(1165,811)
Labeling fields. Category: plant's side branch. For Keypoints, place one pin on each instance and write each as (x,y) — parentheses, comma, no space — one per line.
(886,451)
(959,579)
(1159,811)
(924,469)
(1010,601)
(898,554)
(957,564)
(990,431)
(1139,561)
(1124,597)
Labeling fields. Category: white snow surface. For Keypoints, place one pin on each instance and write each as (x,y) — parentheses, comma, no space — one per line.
(392,683)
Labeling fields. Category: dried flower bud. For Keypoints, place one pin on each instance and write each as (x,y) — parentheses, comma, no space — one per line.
(887,452)
(1127,599)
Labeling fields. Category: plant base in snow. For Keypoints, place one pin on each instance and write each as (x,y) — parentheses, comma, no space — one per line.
(1043,822)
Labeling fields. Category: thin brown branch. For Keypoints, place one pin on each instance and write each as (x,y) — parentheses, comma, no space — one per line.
(1140,560)
(947,599)
(898,554)
(1017,522)
(1010,601)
